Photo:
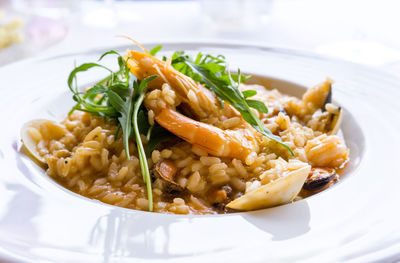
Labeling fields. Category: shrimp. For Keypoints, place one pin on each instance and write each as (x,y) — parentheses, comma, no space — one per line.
(143,65)
(215,141)
(202,103)
(326,151)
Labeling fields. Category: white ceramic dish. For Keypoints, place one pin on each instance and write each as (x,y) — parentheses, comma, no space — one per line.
(356,220)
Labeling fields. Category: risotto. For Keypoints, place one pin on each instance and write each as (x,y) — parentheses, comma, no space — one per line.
(202,153)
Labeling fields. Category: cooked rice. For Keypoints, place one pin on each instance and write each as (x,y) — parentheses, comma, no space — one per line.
(88,159)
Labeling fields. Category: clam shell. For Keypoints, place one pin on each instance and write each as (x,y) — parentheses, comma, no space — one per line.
(57,131)
(278,192)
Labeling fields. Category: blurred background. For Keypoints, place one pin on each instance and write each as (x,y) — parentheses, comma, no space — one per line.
(362,31)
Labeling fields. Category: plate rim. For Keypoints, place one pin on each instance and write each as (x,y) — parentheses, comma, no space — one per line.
(200,43)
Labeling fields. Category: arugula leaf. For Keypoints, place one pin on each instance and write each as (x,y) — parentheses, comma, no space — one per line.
(158,135)
(88,103)
(249,93)
(108,53)
(143,122)
(144,83)
(155,50)
(125,110)
(222,83)
(142,154)
(258,105)
(81,68)
(95,90)
(119,87)
(115,100)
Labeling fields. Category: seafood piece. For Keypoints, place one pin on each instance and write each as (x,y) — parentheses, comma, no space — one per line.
(335,112)
(221,195)
(34,131)
(317,96)
(326,151)
(328,121)
(143,65)
(335,121)
(217,142)
(166,171)
(222,143)
(319,178)
(319,99)
(281,191)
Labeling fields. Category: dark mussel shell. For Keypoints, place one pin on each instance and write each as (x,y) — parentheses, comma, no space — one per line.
(328,97)
(336,119)
(319,178)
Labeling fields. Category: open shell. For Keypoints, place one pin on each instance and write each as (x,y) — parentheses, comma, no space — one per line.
(31,134)
(335,123)
(166,171)
(319,178)
(328,94)
(278,192)
(336,119)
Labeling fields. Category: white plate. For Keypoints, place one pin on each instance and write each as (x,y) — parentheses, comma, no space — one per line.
(356,220)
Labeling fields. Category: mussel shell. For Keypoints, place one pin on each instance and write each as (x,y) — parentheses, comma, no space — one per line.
(336,119)
(328,97)
(336,122)
(222,208)
(318,178)
(166,171)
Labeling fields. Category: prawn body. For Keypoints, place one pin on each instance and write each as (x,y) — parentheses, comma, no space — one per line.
(218,142)
(201,103)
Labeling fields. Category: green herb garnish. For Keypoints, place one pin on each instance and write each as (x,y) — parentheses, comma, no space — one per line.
(212,72)
(118,97)
(142,155)
(157,135)
(155,50)
(124,108)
